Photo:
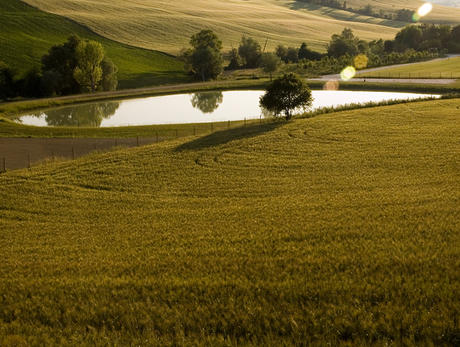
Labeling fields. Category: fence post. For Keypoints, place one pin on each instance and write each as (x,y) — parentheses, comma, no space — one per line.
(228,124)
(28,160)
(73,153)
(177,133)
(137,141)
(4,164)
(244,121)
(194,131)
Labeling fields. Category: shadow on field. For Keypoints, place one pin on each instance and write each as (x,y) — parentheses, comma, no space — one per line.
(225,136)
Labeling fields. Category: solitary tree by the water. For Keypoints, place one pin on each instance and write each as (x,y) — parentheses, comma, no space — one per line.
(287,94)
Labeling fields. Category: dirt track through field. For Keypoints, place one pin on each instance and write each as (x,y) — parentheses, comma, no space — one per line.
(19,153)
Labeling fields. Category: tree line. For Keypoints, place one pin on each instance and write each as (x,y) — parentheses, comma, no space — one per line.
(414,43)
(73,67)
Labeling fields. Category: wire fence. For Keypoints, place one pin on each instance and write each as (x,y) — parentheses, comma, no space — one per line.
(19,153)
(412,75)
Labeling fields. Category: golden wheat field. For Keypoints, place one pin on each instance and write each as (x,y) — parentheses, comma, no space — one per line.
(339,230)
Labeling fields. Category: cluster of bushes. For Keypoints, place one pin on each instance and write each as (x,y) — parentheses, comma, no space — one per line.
(404,15)
(75,66)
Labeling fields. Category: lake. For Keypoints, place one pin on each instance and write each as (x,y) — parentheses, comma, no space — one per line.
(202,107)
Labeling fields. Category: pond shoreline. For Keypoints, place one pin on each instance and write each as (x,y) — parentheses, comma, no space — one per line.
(195,108)
(9,110)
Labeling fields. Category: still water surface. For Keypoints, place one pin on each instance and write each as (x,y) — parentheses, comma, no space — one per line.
(188,108)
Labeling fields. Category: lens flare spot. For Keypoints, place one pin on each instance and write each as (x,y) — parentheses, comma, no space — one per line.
(361,61)
(416,17)
(348,73)
(425,9)
(331,85)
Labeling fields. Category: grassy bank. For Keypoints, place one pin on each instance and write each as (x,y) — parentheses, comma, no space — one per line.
(27,34)
(340,229)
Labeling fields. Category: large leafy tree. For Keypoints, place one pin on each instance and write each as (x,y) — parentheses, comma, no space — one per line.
(409,37)
(344,44)
(60,62)
(204,59)
(76,65)
(250,51)
(287,94)
(88,72)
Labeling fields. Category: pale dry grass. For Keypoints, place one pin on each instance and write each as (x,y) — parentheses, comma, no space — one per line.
(166,26)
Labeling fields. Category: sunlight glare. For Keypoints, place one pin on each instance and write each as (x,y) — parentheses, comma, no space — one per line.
(348,73)
(425,9)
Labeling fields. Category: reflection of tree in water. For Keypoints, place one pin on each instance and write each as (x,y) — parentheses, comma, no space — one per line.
(207,102)
(90,115)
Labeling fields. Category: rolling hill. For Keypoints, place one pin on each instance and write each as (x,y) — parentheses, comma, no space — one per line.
(167,25)
(336,230)
(27,33)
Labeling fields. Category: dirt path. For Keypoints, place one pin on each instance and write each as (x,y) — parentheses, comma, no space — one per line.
(19,153)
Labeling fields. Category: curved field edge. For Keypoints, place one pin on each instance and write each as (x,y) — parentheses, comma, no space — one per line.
(28,33)
(340,229)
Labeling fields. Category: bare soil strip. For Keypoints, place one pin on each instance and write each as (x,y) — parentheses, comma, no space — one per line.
(19,153)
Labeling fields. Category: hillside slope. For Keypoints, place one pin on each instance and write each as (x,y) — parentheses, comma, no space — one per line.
(167,26)
(335,230)
(27,33)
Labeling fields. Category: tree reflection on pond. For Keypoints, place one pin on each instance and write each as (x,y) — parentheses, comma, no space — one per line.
(89,115)
(207,102)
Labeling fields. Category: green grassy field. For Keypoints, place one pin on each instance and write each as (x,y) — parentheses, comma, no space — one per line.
(449,68)
(27,33)
(341,229)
